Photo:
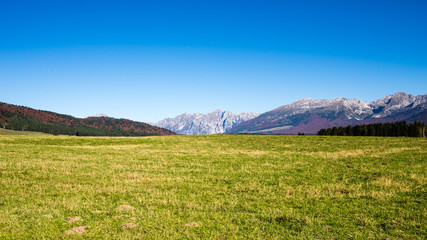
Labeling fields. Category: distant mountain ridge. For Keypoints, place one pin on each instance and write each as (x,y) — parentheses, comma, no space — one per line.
(216,122)
(23,118)
(306,115)
(310,115)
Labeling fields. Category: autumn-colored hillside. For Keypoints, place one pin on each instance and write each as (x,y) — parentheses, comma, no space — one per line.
(28,119)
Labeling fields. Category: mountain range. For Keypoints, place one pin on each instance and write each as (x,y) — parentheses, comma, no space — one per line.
(310,115)
(216,122)
(23,118)
(304,116)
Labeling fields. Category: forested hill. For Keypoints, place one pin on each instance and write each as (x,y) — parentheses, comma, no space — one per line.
(27,119)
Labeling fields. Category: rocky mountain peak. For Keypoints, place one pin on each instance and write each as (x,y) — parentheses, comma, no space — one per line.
(216,122)
(339,99)
(390,103)
(401,99)
(309,115)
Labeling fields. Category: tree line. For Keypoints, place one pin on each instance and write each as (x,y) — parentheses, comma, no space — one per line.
(26,123)
(22,118)
(396,129)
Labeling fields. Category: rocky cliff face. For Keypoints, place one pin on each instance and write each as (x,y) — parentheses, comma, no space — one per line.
(391,104)
(310,115)
(216,122)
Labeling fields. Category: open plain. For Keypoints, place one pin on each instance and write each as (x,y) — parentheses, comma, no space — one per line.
(213,186)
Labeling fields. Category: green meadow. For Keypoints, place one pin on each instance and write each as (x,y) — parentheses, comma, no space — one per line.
(212,187)
(27,133)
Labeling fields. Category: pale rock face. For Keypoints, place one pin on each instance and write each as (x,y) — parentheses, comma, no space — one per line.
(353,109)
(390,103)
(216,122)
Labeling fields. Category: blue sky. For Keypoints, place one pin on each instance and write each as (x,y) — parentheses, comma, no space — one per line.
(148,60)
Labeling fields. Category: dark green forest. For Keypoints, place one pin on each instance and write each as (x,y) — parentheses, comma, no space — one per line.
(23,123)
(396,129)
(21,118)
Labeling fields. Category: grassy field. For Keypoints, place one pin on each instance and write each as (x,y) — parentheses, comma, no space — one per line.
(26,133)
(218,186)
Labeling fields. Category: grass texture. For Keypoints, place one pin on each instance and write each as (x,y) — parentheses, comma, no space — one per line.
(26,133)
(212,187)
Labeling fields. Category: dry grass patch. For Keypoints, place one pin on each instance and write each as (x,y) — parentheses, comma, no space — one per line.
(337,155)
(129,225)
(192,224)
(125,208)
(99,212)
(77,230)
(394,150)
(74,219)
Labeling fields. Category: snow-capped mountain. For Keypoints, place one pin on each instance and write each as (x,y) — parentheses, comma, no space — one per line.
(392,103)
(310,115)
(215,122)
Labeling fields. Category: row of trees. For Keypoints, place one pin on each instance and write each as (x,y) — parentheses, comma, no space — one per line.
(397,129)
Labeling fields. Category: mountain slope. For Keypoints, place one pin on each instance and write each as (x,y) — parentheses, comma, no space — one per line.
(23,118)
(215,122)
(310,115)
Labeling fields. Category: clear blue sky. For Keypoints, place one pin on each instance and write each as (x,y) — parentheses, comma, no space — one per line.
(147,60)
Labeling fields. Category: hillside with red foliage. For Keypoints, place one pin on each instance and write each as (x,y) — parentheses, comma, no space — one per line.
(23,118)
